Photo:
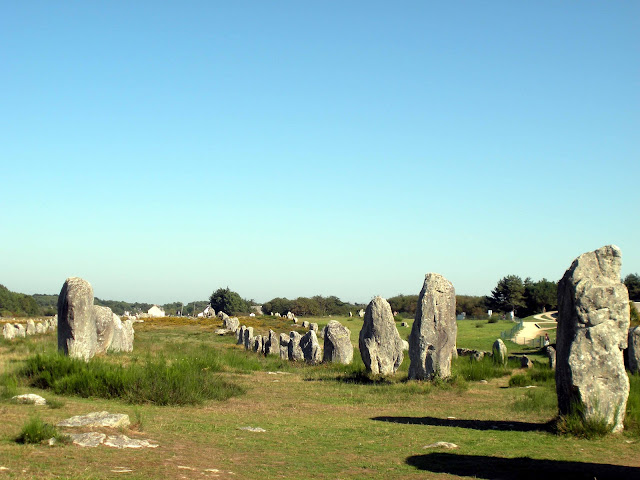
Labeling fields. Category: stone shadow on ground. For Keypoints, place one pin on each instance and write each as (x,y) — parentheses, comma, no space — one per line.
(522,468)
(504,425)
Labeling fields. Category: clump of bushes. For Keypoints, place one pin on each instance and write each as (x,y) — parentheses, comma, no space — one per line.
(186,380)
(37,431)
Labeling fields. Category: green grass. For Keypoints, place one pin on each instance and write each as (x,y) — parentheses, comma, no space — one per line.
(186,380)
(37,431)
(540,400)
(632,419)
(485,369)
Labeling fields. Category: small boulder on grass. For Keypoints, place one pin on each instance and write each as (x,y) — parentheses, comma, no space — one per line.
(499,352)
(29,398)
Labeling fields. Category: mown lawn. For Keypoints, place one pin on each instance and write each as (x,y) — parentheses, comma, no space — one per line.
(321,421)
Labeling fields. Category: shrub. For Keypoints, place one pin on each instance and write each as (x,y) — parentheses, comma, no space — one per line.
(632,418)
(190,379)
(472,370)
(575,424)
(8,386)
(519,380)
(36,431)
(493,320)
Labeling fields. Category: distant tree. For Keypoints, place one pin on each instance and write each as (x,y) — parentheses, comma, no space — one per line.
(539,296)
(404,304)
(228,301)
(632,282)
(473,306)
(508,294)
(634,315)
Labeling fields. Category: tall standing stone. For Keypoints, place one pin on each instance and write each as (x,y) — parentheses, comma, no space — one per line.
(284,346)
(272,344)
(294,350)
(593,321)
(380,342)
(248,338)
(103,318)
(123,335)
(310,347)
(9,331)
(434,330)
(633,351)
(240,335)
(76,324)
(499,350)
(337,343)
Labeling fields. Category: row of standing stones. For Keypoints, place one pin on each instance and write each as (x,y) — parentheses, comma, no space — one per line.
(18,330)
(593,331)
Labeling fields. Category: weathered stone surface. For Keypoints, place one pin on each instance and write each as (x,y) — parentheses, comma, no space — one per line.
(593,322)
(257,343)
(379,340)
(284,346)
(248,338)
(500,353)
(551,354)
(337,343)
(76,324)
(40,328)
(123,334)
(311,348)
(31,398)
(404,324)
(222,316)
(633,350)
(252,429)
(220,331)
(31,327)
(477,356)
(8,331)
(272,344)
(122,441)
(305,324)
(525,362)
(97,419)
(434,330)
(445,445)
(314,327)
(89,439)
(20,330)
(231,323)
(240,335)
(293,348)
(103,318)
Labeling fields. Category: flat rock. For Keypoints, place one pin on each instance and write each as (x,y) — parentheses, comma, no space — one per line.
(122,441)
(97,419)
(252,429)
(89,439)
(447,445)
(29,398)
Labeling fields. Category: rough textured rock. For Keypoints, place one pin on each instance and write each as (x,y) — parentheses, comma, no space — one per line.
(240,335)
(337,343)
(284,346)
(305,324)
(40,328)
(405,346)
(248,338)
(593,322)
(293,348)
(31,327)
(380,342)
(8,331)
(477,356)
(31,398)
(97,419)
(222,316)
(76,324)
(314,327)
(500,353)
(103,318)
(257,344)
(311,348)
(122,441)
(231,323)
(20,330)
(633,350)
(551,354)
(89,439)
(434,330)
(272,344)
(525,362)
(123,334)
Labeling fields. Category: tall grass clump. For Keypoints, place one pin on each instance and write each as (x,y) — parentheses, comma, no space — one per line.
(542,400)
(186,380)
(472,370)
(575,423)
(632,418)
(540,374)
(37,431)
(8,386)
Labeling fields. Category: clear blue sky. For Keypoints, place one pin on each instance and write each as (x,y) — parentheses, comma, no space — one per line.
(164,149)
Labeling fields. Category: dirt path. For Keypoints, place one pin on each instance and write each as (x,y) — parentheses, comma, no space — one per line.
(531,330)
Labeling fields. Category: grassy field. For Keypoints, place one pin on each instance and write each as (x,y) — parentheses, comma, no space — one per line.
(323,421)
